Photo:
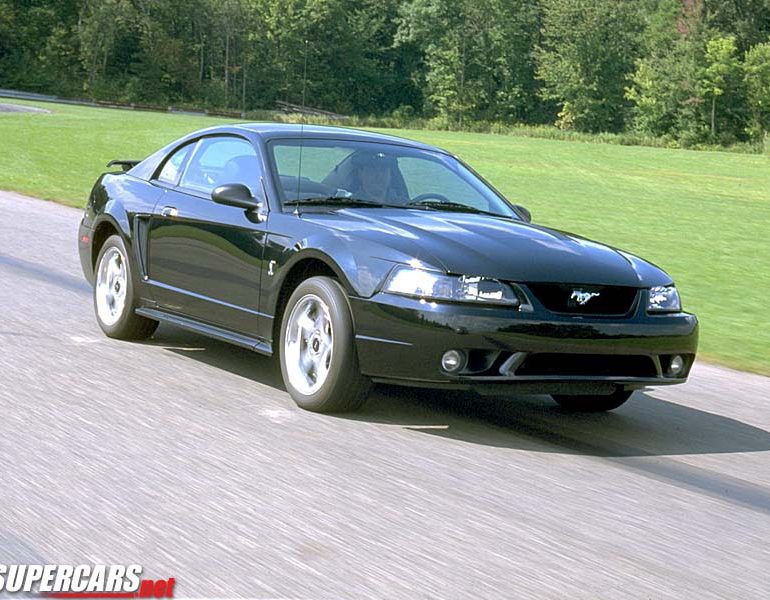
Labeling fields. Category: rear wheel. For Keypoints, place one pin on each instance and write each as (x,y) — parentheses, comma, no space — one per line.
(593,403)
(114,299)
(318,357)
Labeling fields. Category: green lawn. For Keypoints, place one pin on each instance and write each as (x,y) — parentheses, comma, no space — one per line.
(703,216)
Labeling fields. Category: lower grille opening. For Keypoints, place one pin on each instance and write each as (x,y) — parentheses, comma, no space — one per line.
(596,365)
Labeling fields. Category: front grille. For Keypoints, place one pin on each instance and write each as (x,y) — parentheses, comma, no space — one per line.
(603,300)
(588,365)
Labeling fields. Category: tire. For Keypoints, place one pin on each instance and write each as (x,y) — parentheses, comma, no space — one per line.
(593,403)
(317,349)
(113,294)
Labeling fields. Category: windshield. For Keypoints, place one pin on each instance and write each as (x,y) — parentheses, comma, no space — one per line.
(311,171)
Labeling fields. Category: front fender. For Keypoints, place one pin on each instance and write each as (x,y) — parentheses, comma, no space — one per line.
(361,266)
(359,272)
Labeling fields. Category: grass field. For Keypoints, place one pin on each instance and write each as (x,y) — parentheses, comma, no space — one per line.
(703,216)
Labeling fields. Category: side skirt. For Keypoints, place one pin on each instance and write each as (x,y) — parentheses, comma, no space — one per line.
(211,331)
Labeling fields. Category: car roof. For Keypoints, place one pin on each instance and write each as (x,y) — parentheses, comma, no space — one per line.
(270,131)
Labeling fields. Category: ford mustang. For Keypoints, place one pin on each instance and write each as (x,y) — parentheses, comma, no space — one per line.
(357,257)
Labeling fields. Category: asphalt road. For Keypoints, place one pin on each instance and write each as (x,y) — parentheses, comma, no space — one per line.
(187,456)
(21,108)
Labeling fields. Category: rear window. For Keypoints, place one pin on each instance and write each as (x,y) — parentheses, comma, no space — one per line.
(171,169)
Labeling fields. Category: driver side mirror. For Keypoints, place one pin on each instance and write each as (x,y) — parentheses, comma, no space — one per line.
(235,194)
(524,212)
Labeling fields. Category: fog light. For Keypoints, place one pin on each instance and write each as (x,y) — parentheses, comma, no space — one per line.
(676,366)
(453,361)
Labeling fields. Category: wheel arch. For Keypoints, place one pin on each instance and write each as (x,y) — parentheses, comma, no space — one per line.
(310,263)
(105,227)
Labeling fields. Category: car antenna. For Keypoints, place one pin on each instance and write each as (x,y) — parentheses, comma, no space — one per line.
(301,130)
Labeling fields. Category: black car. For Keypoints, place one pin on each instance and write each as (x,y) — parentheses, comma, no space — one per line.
(359,257)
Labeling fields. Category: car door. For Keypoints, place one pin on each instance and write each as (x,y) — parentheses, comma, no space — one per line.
(204,260)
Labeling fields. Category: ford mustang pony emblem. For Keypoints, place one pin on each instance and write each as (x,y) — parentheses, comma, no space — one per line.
(582,297)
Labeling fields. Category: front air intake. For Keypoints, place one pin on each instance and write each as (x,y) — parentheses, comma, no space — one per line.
(587,365)
(576,299)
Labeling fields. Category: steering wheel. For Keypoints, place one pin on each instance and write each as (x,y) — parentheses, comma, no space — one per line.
(428,196)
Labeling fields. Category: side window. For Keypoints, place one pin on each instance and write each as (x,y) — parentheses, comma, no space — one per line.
(220,160)
(170,171)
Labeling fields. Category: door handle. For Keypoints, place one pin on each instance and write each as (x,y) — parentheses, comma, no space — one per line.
(169,211)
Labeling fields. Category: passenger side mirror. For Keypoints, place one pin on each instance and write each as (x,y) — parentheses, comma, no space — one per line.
(524,212)
(235,194)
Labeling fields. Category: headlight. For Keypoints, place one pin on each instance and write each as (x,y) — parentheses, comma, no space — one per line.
(664,299)
(431,285)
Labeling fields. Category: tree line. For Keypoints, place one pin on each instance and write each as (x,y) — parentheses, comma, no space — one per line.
(694,71)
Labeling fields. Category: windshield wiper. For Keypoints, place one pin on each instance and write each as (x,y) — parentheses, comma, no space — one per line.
(333,201)
(450,206)
(346,201)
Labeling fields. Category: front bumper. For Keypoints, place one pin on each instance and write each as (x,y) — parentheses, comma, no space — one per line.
(401,340)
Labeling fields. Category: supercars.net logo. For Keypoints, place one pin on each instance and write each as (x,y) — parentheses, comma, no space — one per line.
(83,581)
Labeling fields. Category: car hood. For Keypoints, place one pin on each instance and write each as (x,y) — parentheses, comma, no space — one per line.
(473,244)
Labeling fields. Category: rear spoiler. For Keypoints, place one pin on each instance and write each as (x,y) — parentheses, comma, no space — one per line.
(124,164)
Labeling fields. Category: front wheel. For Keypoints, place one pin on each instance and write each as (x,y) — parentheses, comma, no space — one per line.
(593,403)
(318,357)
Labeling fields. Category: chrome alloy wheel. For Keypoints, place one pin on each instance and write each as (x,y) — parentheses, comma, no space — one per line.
(111,285)
(309,343)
